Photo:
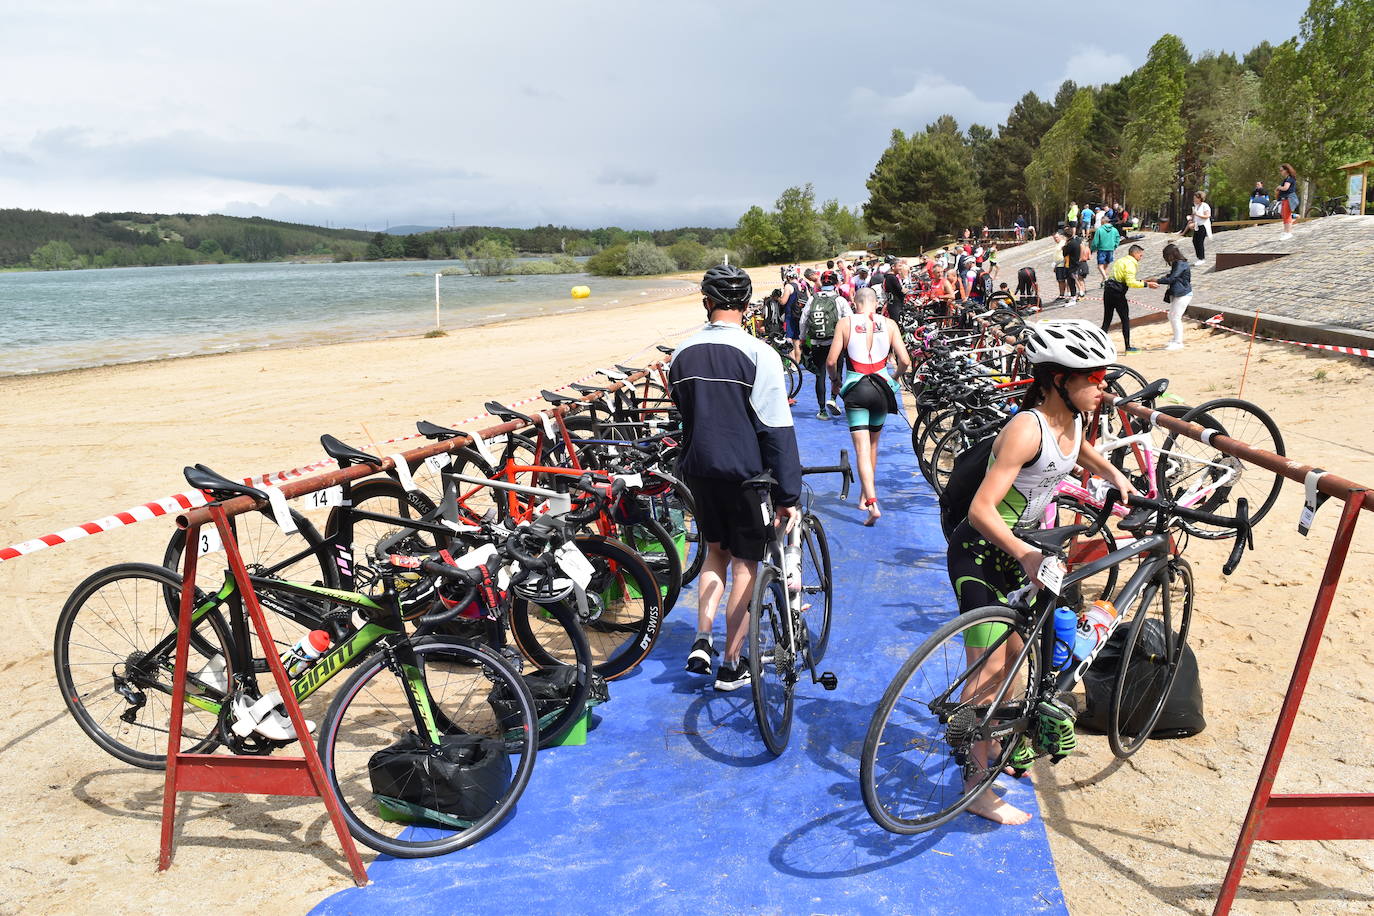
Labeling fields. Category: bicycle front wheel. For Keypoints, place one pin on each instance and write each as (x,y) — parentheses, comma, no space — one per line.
(817,586)
(452,682)
(773,662)
(115,654)
(1150,658)
(929,753)
(793,375)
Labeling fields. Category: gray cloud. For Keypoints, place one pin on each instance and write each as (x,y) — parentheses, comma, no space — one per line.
(637,178)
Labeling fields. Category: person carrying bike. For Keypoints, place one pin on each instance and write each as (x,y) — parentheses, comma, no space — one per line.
(1039,447)
(819,321)
(730,390)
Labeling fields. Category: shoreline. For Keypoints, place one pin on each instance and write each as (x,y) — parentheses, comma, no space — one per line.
(542,309)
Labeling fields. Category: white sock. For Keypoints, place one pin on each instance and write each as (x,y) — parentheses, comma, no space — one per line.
(706,636)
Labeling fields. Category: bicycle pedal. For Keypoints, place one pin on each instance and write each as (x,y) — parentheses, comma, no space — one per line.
(828,680)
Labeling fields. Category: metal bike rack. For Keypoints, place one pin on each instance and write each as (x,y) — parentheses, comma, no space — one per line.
(1306,815)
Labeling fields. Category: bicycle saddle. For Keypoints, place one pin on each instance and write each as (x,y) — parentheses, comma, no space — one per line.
(612,374)
(627,370)
(588,389)
(501,411)
(1148,393)
(557,399)
(764,479)
(666,351)
(435,431)
(219,487)
(346,454)
(1052,540)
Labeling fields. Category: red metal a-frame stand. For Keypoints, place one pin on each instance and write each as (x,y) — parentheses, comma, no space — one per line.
(243,775)
(1305,816)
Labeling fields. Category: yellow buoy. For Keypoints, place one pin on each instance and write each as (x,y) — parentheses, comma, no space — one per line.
(581,292)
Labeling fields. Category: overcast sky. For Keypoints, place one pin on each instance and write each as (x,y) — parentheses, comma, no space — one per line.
(639,114)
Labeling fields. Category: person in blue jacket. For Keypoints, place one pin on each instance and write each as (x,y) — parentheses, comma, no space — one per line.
(731,392)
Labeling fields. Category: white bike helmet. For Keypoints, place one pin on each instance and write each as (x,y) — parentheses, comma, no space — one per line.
(1073,343)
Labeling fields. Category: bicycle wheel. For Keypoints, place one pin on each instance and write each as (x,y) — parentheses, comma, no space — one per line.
(267,551)
(773,661)
(384,496)
(658,549)
(817,586)
(1150,658)
(1200,477)
(115,652)
(372,712)
(677,511)
(793,375)
(1314,212)
(621,621)
(921,765)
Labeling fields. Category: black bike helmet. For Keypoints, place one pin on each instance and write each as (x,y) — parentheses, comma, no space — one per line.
(727,286)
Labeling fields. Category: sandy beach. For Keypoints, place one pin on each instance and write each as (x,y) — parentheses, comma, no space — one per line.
(1150,836)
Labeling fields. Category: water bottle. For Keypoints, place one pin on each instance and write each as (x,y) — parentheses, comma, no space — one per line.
(1065,636)
(792,564)
(304,653)
(1093,628)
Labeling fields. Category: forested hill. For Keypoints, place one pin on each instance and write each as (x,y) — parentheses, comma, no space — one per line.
(59,240)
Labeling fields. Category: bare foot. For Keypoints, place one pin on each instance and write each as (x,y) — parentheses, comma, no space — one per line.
(998,810)
(874,513)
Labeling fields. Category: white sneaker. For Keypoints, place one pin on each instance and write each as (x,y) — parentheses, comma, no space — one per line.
(832,407)
(1285,236)
(1174,346)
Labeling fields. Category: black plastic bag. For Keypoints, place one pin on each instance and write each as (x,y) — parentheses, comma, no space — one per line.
(552,689)
(454,785)
(1182,715)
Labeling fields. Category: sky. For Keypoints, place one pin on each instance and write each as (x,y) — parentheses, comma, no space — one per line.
(638,114)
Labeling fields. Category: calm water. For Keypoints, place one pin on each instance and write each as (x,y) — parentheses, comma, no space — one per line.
(80,318)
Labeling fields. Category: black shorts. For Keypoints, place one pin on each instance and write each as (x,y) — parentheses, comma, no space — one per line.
(728,514)
(1061,273)
(1082,268)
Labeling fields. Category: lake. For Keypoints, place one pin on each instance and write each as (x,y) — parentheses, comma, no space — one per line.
(55,320)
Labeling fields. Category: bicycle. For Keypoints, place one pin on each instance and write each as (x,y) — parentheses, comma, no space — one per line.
(982,693)
(1332,206)
(114,653)
(786,632)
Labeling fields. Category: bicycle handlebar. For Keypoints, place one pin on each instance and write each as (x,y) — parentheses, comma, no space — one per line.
(844,469)
(1245,533)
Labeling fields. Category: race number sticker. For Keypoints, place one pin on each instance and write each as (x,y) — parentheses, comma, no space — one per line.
(324,499)
(550,430)
(481,445)
(437,463)
(575,565)
(403,473)
(1051,574)
(631,481)
(280,510)
(208,540)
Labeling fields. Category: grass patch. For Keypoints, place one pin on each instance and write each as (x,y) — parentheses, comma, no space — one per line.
(435,333)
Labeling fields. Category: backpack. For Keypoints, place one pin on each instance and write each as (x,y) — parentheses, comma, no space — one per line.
(970,467)
(825,316)
(1182,715)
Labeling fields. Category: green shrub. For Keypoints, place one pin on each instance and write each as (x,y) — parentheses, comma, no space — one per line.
(608,262)
(689,254)
(643,259)
(489,258)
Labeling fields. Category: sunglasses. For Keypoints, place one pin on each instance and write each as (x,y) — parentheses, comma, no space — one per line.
(1097,376)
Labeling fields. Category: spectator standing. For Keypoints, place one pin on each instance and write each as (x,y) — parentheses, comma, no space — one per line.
(992,260)
(1105,241)
(1073,253)
(1287,193)
(1071,217)
(1122,278)
(1201,220)
(1178,292)
(730,390)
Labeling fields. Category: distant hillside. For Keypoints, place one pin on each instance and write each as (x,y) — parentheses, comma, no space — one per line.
(60,240)
(410,230)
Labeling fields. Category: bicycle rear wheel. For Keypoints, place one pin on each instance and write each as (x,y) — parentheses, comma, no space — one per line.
(372,712)
(817,585)
(792,374)
(773,661)
(115,652)
(1203,478)
(622,619)
(1150,658)
(658,549)
(924,759)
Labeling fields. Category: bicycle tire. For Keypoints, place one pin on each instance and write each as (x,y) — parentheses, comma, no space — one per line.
(371,712)
(1314,212)
(465,460)
(656,547)
(125,605)
(773,661)
(384,496)
(1129,726)
(816,580)
(624,611)
(909,798)
(680,500)
(1237,419)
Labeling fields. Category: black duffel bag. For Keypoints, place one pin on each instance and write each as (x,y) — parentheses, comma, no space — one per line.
(1182,713)
(455,785)
(552,689)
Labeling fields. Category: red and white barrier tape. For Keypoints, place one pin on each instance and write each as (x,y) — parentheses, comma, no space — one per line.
(193,498)
(1216,322)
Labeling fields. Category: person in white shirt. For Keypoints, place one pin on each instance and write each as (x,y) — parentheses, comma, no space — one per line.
(1202,226)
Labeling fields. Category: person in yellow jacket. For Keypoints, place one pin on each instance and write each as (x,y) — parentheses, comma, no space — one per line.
(1121,278)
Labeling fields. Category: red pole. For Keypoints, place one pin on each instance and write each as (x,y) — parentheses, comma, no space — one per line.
(169,789)
(1240,392)
(1264,788)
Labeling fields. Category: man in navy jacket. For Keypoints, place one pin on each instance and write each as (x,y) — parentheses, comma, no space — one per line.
(731,391)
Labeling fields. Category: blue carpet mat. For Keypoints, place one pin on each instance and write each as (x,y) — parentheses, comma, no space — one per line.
(674,805)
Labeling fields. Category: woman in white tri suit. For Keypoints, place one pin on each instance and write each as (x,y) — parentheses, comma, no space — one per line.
(867,342)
